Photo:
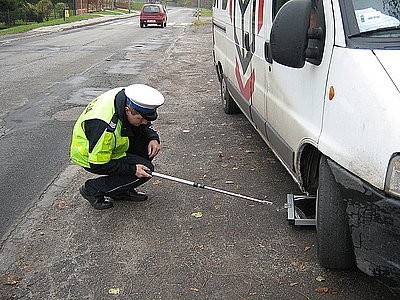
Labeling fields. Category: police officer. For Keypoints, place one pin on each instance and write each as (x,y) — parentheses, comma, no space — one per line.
(114,137)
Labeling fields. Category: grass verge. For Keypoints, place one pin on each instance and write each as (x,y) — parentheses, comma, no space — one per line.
(34,25)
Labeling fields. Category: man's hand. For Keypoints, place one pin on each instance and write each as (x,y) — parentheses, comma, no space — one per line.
(153,148)
(141,171)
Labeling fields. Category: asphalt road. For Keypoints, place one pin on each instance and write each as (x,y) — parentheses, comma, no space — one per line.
(183,243)
(48,71)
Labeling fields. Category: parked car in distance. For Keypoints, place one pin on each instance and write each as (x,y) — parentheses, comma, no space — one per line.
(153,13)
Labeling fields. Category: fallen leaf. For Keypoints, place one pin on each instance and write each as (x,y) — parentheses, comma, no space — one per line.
(11,279)
(158,181)
(293,283)
(114,291)
(322,290)
(194,289)
(292,245)
(62,205)
(198,214)
(298,264)
(320,278)
(307,248)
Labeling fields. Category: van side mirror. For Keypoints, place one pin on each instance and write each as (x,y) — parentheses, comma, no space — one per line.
(289,33)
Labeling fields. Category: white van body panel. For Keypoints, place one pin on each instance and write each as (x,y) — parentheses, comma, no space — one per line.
(340,39)
(390,60)
(259,97)
(296,96)
(360,141)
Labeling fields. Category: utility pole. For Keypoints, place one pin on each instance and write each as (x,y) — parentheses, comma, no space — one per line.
(198,10)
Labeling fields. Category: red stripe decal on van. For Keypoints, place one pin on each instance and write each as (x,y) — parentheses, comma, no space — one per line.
(246,90)
(230,9)
(260,15)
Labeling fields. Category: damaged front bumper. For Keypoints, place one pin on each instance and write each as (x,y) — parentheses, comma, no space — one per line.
(374,221)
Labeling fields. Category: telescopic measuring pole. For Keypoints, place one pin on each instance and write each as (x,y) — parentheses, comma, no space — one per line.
(198,185)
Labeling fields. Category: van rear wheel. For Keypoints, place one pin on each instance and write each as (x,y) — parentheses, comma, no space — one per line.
(334,244)
(228,104)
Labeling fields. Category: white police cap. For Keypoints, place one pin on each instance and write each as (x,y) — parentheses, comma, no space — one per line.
(144,99)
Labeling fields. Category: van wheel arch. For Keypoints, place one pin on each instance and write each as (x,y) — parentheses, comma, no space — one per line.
(309,166)
(229,105)
(220,72)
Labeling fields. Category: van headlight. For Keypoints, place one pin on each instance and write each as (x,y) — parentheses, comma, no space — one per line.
(392,184)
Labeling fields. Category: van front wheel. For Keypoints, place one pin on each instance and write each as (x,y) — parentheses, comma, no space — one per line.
(228,104)
(334,244)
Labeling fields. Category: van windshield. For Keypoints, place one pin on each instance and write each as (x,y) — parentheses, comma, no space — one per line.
(376,18)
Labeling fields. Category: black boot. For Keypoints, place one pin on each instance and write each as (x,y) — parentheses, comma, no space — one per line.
(97,202)
(130,196)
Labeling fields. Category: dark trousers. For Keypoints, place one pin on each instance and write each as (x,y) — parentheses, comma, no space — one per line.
(113,185)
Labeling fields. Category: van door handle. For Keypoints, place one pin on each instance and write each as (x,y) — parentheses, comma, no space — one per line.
(247,41)
(267,52)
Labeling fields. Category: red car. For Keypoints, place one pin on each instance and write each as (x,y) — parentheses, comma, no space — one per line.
(153,14)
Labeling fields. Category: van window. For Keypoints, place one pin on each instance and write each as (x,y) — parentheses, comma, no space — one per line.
(371,24)
(224,4)
(376,14)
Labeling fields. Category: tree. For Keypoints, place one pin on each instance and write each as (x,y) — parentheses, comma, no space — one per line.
(7,5)
(44,8)
(9,11)
(59,9)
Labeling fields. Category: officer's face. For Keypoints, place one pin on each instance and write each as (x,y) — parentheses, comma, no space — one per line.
(134,117)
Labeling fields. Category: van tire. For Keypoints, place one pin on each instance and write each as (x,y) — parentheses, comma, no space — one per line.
(334,244)
(228,104)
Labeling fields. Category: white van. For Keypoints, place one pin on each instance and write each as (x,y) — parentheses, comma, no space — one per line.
(320,82)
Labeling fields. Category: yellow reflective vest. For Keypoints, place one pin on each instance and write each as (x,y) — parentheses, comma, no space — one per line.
(111,144)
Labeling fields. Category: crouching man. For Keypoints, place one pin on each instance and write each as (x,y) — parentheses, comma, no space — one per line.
(113,137)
